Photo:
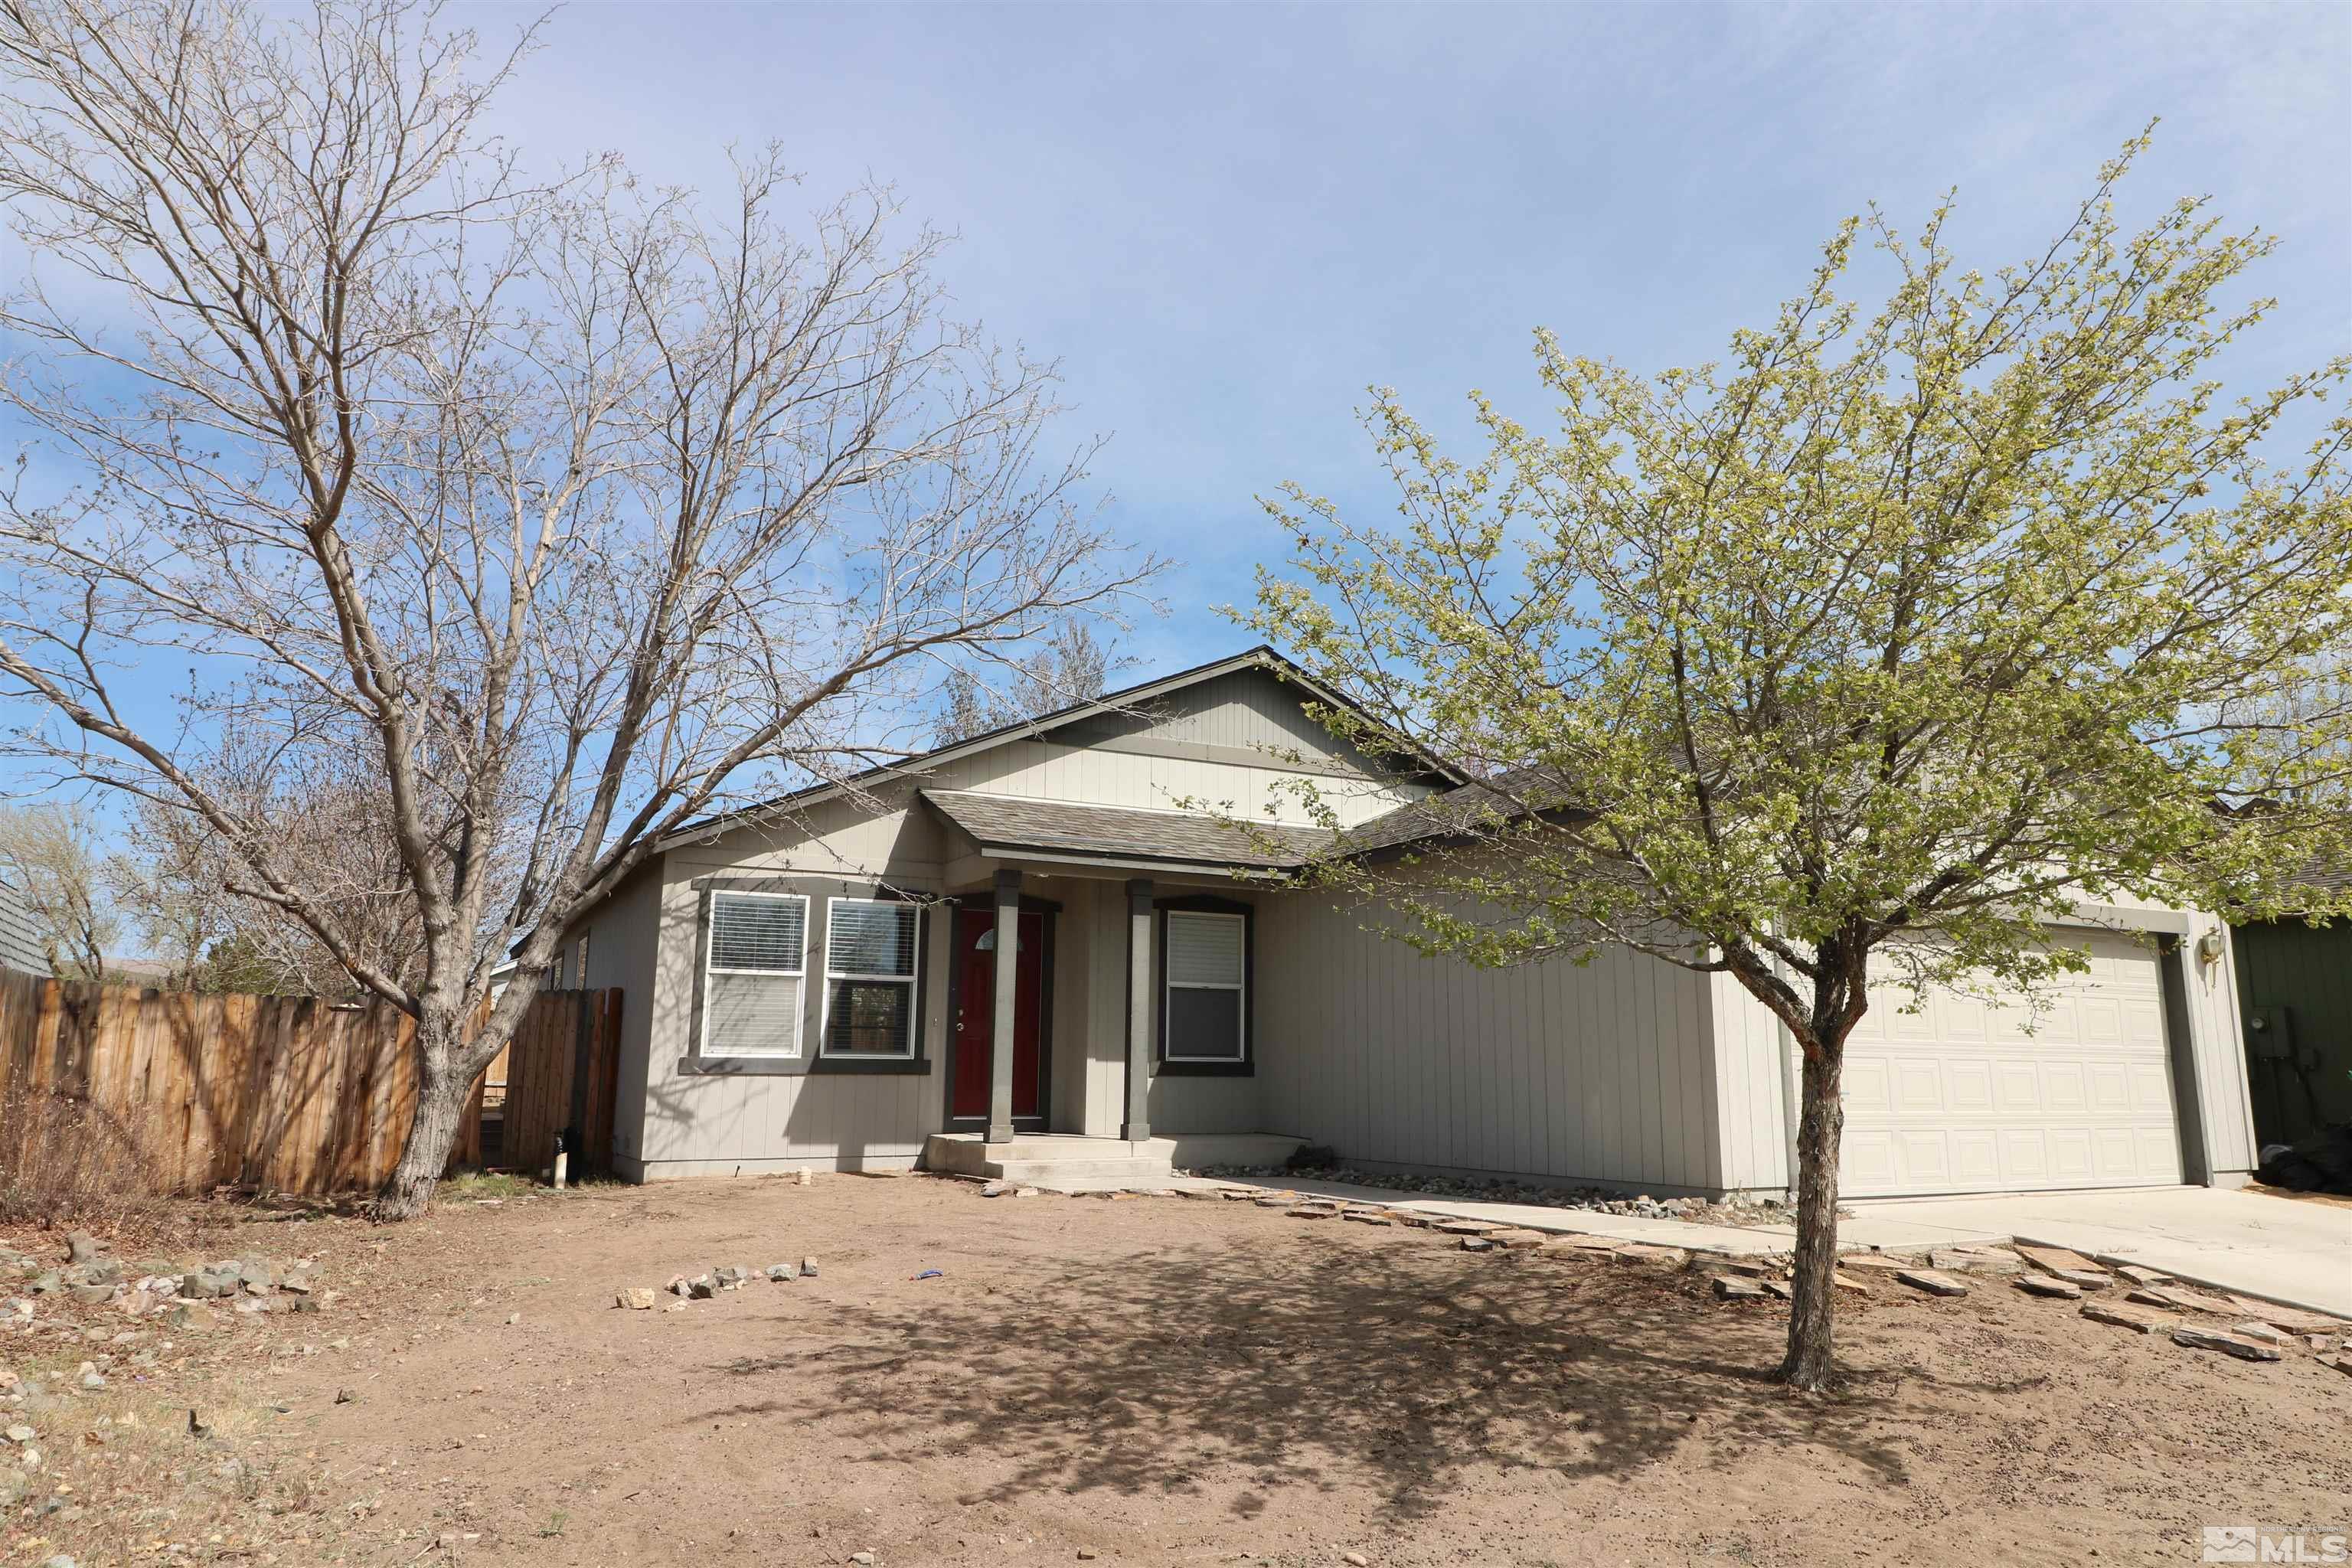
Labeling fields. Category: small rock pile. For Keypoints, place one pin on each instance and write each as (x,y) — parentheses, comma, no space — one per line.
(709,1284)
(1493,1190)
(92,1276)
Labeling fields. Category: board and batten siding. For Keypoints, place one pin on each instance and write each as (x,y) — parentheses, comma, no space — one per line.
(1554,1071)
(1750,1043)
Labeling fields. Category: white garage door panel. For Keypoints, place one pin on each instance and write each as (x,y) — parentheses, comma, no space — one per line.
(1962,1098)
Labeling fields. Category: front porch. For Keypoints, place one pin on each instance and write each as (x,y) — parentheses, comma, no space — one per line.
(1061,1160)
(1119,1029)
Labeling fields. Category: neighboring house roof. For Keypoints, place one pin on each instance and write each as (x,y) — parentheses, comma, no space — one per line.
(1005,822)
(1259,657)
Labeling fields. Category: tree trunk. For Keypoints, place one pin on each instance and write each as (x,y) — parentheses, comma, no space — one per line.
(1812,1311)
(442,1091)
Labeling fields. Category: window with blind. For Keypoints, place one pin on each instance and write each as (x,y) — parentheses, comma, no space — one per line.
(753,971)
(870,961)
(1207,1012)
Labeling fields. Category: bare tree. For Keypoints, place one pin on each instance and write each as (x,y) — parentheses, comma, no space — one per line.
(1075,665)
(322,807)
(573,508)
(49,854)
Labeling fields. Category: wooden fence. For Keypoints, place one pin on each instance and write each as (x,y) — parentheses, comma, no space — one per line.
(291,1093)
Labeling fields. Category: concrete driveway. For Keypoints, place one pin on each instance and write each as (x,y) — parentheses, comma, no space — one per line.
(2280,1249)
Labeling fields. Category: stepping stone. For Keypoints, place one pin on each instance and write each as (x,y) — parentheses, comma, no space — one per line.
(2140,1276)
(1275,1203)
(2294,1320)
(1477,1243)
(2262,1334)
(1523,1240)
(2043,1285)
(1368,1216)
(1971,1260)
(1932,1282)
(1750,1268)
(2228,1344)
(2088,1279)
(1597,1245)
(2180,1300)
(1845,1283)
(1465,1228)
(1644,1252)
(1875,1260)
(1239,1194)
(1408,1218)
(1778,1290)
(2056,1261)
(2342,1363)
(1728,1289)
(2126,1317)
(1314,1213)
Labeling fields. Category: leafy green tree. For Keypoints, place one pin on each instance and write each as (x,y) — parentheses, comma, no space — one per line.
(1850,664)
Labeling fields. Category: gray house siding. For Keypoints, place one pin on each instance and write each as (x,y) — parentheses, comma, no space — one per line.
(1552,1071)
(20,936)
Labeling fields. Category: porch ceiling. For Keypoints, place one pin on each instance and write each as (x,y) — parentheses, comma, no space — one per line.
(1008,824)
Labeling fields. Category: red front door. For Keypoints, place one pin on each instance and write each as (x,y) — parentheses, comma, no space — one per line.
(974,1044)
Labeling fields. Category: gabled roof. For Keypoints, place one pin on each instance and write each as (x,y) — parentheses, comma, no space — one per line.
(1008,824)
(1259,657)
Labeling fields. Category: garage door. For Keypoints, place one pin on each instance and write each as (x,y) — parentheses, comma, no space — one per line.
(1959,1097)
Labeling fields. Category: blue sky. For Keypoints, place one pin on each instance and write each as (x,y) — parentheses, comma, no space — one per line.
(1226,220)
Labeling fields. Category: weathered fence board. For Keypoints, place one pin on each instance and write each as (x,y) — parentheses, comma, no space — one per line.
(289,1093)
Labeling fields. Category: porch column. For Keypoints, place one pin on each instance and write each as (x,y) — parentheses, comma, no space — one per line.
(1008,957)
(1140,994)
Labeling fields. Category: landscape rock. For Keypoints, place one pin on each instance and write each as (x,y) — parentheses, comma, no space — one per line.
(2043,1285)
(808,1267)
(1932,1282)
(2123,1317)
(1976,1260)
(1477,1243)
(1875,1260)
(1779,1290)
(2087,1279)
(2262,1334)
(2179,1298)
(1729,1288)
(2342,1363)
(2140,1275)
(780,1272)
(2228,1344)
(2056,1261)
(1311,1211)
(83,1247)
(702,1287)
(1369,1216)
(1657,1256)
(636,1297)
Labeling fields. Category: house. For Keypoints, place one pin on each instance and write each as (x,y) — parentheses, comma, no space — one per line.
(824,980)
(20,935)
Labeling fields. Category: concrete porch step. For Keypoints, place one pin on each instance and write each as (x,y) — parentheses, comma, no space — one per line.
(1046,1158)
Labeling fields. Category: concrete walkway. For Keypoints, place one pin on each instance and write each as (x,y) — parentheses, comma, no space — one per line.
(2279,1249)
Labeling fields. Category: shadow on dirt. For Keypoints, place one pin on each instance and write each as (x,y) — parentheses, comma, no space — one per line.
(1393,1366)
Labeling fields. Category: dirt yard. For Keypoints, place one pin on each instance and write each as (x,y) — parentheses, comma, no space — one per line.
(1142,1380)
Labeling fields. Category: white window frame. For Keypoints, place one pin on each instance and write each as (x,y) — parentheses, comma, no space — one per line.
(912,979)
(710,945)
(1169,984)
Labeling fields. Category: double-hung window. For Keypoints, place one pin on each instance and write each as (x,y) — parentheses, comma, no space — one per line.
(870,963)
(1207,1012)
(753,975)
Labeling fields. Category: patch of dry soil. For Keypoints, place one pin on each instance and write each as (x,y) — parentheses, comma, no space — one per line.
(1155,1380)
